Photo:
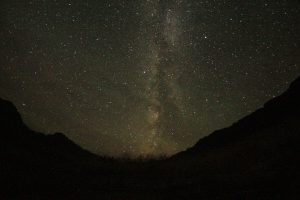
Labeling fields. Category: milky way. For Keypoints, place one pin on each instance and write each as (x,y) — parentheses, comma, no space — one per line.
(147,77)
(161,73)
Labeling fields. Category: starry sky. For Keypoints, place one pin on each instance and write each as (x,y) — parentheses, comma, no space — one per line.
(144,77)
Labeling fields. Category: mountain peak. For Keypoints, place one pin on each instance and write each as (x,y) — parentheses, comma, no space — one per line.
(10,119)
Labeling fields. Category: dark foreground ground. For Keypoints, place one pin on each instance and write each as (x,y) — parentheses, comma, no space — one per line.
(255,158)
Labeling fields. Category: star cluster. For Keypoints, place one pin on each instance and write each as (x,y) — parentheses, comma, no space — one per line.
(145,77)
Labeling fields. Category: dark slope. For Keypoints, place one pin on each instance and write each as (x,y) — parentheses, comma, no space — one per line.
(17,139)
(280,110)
(255,158)
(274,126)
(33,164)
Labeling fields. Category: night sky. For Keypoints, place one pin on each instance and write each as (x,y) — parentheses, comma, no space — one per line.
(144,77)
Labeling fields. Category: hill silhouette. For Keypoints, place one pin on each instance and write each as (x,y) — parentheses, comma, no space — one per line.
(255,158)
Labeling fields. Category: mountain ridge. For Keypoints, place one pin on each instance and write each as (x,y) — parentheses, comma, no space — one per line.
(255,158)
(9,114)
(288,103)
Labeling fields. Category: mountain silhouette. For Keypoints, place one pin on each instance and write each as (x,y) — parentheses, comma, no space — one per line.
(18,139)
(255,158)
